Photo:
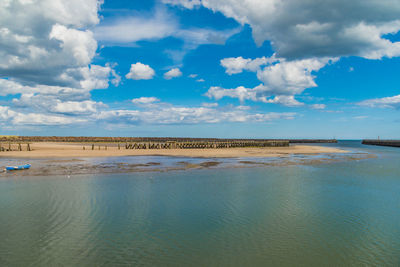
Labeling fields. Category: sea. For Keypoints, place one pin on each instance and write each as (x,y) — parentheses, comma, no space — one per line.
(336,213)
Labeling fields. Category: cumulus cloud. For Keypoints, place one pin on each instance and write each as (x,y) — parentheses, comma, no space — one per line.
(140,71)
(12,117)
(290,77)
(85,79)
(76,107)
(254,94)
(385,102)
(43,39)
(148,110)
(304,29)
(305,36)
(145,100)
(50,104)
(281,79)
(47,49)
(240,92)
(173,73)
(234,65)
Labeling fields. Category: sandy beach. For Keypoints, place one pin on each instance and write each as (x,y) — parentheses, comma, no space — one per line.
(73,150)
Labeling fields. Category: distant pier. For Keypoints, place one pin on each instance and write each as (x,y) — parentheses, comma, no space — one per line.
(377,142)
(312,141)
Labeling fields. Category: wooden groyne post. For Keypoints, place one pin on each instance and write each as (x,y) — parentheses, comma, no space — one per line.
(207,144)
(10,147)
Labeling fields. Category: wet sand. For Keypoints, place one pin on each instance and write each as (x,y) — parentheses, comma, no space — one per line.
(52,159)
(73,150)
(71,159)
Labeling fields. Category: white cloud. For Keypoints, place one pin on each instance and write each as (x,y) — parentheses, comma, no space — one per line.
(234,65)
(291,77)
(240,92)
(165,113)
(140,71)
(318,106)
(194,37)
(136,28)
(305,36)
(200,80)
(17,118)
(129,30)
(50,104)
(47,48)
(145,100)
(210,105)
(42,119)
(85,78)
(8,87)
(304,29)
(76,107)
(360,117)
(285,100)
(43,39)
(97,77)
(253,94)
(281,79)
(149,110)
(385,102)
(192,76)
(185,3)
(79,45)
(173,73)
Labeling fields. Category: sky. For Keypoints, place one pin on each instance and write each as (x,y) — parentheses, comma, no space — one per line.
(200,68)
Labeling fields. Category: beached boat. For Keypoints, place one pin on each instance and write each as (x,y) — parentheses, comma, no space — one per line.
(20,167)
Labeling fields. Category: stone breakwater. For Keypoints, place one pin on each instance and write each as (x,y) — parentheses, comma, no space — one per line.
(376,142)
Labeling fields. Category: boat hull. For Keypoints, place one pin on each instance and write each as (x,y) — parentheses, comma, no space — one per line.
(16,168)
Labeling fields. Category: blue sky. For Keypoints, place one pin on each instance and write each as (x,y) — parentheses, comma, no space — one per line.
(200,68)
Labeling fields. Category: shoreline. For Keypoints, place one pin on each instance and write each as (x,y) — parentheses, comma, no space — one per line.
(73,150)
(88,166)
(53,159)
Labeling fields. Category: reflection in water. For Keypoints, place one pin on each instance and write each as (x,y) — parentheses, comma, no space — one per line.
(342,213)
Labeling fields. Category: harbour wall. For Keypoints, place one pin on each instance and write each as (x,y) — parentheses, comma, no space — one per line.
(376,142)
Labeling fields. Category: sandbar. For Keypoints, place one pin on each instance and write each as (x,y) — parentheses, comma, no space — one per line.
(74,150)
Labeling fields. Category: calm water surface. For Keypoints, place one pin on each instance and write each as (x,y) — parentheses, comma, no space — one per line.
(345,213)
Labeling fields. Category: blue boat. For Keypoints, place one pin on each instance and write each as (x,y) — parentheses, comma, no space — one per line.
(21,167)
